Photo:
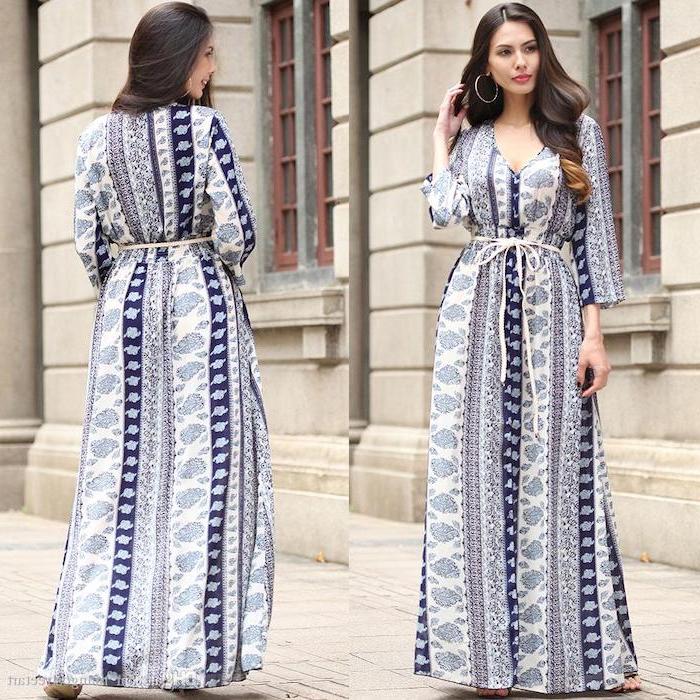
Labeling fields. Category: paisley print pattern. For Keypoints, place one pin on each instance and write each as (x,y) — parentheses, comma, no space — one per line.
(521,580)
(167,577)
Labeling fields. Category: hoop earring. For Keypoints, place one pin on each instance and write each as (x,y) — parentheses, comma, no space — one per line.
(476,89)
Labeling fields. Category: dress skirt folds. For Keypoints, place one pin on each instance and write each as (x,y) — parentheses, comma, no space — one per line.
(521,582)
(167,576)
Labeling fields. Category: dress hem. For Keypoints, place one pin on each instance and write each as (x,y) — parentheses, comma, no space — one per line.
(516,686)
(78,680)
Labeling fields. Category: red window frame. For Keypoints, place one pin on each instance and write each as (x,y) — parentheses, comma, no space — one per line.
(284,157)
(651,137)
(324,125)
(610,110)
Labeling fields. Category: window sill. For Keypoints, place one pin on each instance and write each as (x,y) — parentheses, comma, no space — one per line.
(318,313)
(645,320)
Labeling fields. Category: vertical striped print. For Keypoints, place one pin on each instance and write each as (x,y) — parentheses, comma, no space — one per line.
(220,430)
(471,455)
(115,630)
(555,643)
(157,175)
(158,647)
(74,525)
(245,429)
(183,155)
(224,154)
(591,647)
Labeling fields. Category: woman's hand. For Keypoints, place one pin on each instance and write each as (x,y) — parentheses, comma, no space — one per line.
(448,123)
(593,354)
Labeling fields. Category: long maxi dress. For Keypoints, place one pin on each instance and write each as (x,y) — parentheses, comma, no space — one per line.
(167,575)
(521,579)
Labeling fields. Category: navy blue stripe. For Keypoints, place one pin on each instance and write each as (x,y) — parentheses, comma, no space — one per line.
(421,659)
(102,252)
(578,247)
(592,641)
(222,149)
(153,148)
(511,397)
(241,485)
(219,397)
(183,156)
(132,331)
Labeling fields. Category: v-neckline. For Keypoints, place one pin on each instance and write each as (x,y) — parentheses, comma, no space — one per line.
(505,160)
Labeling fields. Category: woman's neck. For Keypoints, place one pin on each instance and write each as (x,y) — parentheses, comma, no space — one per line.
(516,110)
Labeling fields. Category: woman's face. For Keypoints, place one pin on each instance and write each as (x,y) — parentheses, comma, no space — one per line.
(203,70)
(514,52)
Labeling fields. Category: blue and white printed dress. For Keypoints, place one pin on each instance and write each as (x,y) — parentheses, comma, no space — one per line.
(167,576)
(521,583)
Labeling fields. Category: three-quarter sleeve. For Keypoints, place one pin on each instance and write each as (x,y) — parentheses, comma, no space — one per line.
(234,221)
(594,243)
(91,243)
(448,192)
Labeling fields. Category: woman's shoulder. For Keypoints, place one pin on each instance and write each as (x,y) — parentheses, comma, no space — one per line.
(586,125)
(93,132)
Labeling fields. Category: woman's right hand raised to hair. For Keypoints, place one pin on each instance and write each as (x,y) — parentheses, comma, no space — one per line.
(448,123)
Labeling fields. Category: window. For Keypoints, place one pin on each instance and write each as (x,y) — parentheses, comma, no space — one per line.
(297,107)
(651,138)
(324,126)
(610,109)
(284,155)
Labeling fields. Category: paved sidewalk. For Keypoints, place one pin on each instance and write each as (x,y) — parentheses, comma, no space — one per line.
(664,607)
(307,654)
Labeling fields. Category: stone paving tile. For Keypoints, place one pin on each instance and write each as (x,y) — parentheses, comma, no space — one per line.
(664,607)
(307,655)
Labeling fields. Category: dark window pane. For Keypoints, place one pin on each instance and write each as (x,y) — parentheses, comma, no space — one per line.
(612,68)
(326,25)
(326,75)
(616,187)
(655,174)
(329,174)
(614,146)
(654,41)
(655,125)
(329,225)
(613,99)
(656,234)
(655,87)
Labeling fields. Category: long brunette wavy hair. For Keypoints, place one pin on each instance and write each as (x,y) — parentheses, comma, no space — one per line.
(559,99)
(163,51)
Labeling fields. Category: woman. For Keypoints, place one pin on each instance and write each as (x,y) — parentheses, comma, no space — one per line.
(168,567)
(522,581)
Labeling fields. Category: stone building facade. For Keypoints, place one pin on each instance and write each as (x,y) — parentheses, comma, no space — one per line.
(639,60)
(64,62)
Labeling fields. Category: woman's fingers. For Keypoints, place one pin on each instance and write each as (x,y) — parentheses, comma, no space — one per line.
(600,379)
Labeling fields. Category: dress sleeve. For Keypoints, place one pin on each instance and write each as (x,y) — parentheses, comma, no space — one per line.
(234,220)
(91,243)
(594,243)
(448,193)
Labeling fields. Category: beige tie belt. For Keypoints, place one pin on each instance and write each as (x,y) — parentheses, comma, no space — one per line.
(489,251)
(161,244)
